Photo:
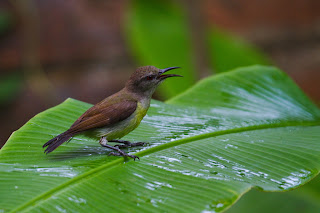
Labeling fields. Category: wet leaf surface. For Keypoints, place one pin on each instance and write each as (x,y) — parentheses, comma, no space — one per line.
(252,127)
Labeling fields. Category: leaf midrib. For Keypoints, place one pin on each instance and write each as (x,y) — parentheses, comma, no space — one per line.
(116,162)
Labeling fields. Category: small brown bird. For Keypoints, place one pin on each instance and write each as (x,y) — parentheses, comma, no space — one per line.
(118,114)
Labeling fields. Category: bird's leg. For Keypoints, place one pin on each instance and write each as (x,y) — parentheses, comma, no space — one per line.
(103,142)
(127,143)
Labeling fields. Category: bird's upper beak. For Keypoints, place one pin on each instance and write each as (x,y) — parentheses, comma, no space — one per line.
(162,77)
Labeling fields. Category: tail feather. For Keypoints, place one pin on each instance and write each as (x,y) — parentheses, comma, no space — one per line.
(57,141)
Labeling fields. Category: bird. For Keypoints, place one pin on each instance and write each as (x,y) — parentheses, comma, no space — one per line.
(117,115)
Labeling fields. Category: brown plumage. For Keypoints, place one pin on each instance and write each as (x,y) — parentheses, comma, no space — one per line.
(107,112)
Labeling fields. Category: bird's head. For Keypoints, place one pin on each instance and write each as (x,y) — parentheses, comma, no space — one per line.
(146,79)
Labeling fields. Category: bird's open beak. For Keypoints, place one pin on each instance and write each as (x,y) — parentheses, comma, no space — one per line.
(162,77)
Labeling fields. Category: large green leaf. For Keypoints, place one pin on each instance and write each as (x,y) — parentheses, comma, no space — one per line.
(251,127)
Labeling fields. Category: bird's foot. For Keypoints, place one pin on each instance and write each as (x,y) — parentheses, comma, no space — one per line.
(127,144)
(103,142)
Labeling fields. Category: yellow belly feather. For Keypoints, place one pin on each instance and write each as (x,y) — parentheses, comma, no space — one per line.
(123,127)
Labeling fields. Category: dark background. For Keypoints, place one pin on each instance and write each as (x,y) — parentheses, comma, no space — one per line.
(54,49)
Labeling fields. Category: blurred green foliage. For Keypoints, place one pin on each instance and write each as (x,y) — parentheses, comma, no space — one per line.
(9,84)
(227,52)
(6,21)
(158,34)
(9,87)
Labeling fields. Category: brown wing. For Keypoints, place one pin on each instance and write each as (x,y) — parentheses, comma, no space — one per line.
(103,114)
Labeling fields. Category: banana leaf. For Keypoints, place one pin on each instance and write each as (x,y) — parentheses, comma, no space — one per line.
(243,129)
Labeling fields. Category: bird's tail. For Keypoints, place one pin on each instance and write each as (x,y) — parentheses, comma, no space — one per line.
(57,141)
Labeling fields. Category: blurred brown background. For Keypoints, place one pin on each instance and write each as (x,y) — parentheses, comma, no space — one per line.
(77,48)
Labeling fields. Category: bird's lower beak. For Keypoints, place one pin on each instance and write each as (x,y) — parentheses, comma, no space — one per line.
(162,77)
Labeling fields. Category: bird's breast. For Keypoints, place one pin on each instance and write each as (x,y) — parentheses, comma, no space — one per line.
(125,126)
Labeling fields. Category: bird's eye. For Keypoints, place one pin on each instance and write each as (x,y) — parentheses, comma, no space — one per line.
(149,77)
